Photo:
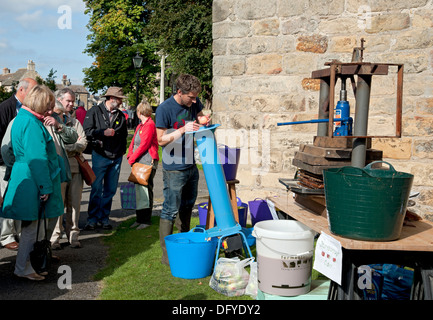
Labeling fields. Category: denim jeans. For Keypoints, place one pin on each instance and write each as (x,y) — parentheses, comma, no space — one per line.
(180,191)
(104,187)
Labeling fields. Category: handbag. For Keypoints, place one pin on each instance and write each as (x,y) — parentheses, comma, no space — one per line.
(140,173)
(86,171)
(40,256)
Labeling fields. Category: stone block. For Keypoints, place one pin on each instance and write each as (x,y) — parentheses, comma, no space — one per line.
(221,10)
(292,8)
(311,84)
(426,197)
(384,5)
(423,18)
(413,39)
(255,9)
(262,84)
(314,43)
(221,85)
(394,148)
(219,47)
(337,26)
(423,148)
(389,22)
(343,43)
(230,29)
(299,63)
(424,106)
(266,27)
(299,24)
(228,65)
(417,126)
(264,64)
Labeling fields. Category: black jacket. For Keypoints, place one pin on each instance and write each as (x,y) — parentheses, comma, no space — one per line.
(8,112)
(95,123)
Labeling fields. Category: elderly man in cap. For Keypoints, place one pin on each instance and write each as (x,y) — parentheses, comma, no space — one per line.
(106,131)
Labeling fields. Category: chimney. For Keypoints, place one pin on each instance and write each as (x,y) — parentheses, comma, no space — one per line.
(6,71)
(65,81)
(30,65)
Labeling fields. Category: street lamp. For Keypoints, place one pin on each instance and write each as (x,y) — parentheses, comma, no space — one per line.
(137,60)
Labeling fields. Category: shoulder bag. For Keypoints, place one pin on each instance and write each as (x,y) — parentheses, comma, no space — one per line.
(85,169)
(140,173)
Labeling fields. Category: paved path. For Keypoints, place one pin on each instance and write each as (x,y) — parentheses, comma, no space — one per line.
(84,262)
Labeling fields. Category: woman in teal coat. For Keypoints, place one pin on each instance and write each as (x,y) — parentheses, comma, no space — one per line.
(35,175)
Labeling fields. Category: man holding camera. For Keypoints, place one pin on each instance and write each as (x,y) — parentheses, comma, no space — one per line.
(106,131)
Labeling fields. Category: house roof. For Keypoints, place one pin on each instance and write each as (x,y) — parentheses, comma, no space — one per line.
(74,87)
(8,79)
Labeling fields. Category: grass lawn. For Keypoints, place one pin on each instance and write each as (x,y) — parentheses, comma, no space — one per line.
(134,270)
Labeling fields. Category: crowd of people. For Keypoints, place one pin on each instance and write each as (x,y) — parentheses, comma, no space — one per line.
(42,134)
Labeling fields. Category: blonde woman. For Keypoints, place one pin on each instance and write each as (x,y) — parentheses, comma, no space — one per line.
(144,149)
(35,175)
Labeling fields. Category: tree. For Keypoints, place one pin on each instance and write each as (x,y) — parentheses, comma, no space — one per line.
(49,80)
(116,34)
(183,30)
(5,94)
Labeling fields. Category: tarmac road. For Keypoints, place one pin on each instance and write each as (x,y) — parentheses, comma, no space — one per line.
(85,262)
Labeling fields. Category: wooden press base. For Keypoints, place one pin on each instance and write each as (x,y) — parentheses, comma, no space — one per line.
(231,185)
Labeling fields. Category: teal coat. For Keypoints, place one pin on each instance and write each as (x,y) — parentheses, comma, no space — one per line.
(36,171)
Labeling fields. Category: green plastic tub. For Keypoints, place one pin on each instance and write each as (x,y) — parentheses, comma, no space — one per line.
(366,204)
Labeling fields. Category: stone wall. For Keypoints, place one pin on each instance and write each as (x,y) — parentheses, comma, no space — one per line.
(264,53)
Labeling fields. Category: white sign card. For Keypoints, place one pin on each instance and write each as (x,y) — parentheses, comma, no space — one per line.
(328,257)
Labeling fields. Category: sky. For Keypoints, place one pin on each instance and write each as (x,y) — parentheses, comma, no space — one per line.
(52,33)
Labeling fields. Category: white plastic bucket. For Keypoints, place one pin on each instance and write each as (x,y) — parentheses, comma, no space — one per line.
(284,257)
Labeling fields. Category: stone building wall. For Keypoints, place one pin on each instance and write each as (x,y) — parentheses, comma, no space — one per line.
(264,53)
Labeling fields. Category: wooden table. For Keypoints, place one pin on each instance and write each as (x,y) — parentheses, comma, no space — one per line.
(414,248)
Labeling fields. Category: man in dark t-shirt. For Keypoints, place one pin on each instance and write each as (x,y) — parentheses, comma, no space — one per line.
(173,118)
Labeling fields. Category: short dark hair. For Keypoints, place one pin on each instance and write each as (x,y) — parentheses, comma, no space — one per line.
(188,83)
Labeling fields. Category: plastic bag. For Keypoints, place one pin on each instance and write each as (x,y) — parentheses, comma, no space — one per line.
(230,277)
(389,282)
(253,284)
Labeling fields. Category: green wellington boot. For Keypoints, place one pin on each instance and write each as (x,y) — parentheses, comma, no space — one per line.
(165,229)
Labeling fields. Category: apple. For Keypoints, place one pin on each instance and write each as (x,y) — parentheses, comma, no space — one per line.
(203,119)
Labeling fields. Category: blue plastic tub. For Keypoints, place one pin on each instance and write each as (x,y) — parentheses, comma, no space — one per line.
(259,211)
(191,254)
(202,213)
(230,160)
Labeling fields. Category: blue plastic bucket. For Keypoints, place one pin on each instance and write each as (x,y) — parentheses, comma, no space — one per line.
(202,213)
(242,213)
(191,254)
(230,161)
(259,211)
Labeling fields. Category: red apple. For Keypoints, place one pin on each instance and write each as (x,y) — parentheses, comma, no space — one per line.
(203,119)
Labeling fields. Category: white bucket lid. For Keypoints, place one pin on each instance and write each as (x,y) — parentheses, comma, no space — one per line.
(282,229)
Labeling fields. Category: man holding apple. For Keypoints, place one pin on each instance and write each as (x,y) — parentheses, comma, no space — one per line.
(173,118)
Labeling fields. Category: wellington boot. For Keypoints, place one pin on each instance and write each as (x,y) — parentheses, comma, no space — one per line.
(165,229)
(183,219)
